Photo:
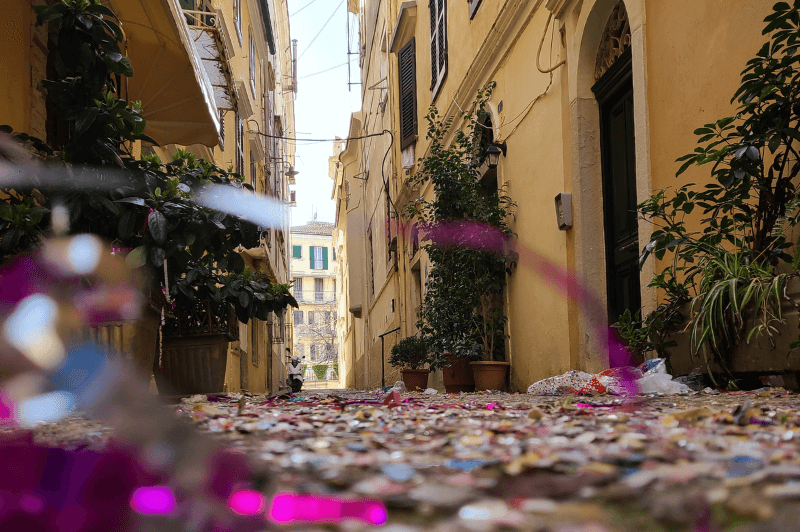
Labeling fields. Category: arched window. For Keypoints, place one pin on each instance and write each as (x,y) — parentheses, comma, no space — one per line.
(616,39)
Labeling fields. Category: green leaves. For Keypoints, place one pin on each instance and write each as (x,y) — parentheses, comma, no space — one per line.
(157,224)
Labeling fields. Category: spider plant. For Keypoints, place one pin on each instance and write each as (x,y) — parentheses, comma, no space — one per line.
(733,288)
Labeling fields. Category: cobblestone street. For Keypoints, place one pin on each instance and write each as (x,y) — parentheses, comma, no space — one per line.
(509,461)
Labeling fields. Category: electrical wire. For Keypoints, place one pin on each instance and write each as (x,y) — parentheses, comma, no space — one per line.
(321,30)
(539,52)
(327,140)
(327,69)
(302,8)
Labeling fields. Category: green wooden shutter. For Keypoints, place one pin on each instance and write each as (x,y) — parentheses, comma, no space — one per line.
(311,255)
(325,258)
(297,252)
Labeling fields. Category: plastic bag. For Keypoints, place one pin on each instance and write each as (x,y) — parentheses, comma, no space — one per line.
(659,382)
(572,382)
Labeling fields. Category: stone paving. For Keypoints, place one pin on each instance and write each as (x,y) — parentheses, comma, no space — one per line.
(482,462)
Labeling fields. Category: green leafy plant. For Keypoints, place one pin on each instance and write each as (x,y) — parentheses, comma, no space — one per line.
(336,370)
(461,312)
(151,209)
(738,262)
(409,353)
(320,370)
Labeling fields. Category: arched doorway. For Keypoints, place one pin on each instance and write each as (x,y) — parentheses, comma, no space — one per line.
(614,92)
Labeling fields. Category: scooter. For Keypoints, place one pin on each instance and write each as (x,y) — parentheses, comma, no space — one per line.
(295,370)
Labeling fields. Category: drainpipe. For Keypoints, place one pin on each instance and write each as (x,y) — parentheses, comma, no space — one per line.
(383,362)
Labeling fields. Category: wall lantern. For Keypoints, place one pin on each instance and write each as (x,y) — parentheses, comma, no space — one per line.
(564,210)
(292,172)
(493,153)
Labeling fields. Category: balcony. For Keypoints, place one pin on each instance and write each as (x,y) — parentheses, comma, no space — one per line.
(161,49)
(314,297)
(213,44)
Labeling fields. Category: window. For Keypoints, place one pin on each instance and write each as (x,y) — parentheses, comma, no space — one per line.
(297,252)
(407,67)
(237,18)
(313,353)
(253,170)
(438,12)
(371,262)
(318,257)
(222,129)
(298,289)
(318,292)
(298,317)
(252,64)
(239,145)
(473,7)
(310,317)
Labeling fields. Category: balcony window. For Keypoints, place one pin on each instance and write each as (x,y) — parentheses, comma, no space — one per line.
(237,18)
(298,289)
(252,65)
(318,286)
(298,317)
(318,257)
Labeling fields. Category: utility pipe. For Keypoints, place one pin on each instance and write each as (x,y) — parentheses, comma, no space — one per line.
(383,362)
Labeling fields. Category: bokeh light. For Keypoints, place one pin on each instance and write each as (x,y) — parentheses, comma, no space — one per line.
(31,330)
(247,502)
(154,500)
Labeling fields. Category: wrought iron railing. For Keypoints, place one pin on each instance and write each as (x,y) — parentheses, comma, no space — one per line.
(205,318)
(314,296)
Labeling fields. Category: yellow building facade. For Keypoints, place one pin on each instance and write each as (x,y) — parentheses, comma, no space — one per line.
(314,322)
(573,78)
(215,77)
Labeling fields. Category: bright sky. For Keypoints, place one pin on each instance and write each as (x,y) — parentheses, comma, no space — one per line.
(323,103)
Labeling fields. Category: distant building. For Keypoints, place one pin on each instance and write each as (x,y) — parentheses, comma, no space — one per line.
(313,272)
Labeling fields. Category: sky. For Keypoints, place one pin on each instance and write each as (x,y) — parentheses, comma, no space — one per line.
(323,103)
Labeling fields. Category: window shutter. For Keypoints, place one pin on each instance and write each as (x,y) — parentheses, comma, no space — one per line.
(325,258)
(407,67)
(297,252)
(438,17)
(311,256)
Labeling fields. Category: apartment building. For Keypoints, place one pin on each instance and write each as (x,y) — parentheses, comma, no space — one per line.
(315,288)
(594,101)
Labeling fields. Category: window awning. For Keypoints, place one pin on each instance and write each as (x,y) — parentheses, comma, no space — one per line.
(169,79)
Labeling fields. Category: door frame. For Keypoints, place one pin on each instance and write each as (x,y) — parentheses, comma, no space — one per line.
(618,76)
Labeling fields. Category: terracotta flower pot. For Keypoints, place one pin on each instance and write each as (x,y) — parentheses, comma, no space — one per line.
(490,375)
(457,375)
(415,379)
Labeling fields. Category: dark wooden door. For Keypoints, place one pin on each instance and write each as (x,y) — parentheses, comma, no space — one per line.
(614,93)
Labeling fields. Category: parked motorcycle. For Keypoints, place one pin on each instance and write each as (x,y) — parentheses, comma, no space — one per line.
(295,371)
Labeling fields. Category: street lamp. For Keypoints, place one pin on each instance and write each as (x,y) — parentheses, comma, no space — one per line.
(290,174)
(493,153)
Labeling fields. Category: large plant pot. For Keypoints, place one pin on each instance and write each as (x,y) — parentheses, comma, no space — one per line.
(763,354)
(415,379)
(490,375)
(457,375)
(193,365)
(194,349)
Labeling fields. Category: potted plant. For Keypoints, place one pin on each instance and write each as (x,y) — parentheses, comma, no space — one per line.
(410,354)
(465,227)
(733,277)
